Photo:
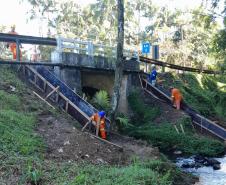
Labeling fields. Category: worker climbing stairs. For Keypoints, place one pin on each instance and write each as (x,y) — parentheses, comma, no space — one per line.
(197,119)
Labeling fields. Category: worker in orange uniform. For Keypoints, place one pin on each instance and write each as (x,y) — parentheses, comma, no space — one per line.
(176,97)
(99,119)
(12,45)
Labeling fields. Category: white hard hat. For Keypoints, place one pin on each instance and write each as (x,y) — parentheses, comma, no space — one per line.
(152,65)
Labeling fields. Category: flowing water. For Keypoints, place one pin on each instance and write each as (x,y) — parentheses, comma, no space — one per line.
(207,176)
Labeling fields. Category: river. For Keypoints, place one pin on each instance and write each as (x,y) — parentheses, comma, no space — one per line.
(208,176)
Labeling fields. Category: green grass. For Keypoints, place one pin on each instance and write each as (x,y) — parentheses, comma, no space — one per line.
(152,172)
(202,92)
(22,150)
(105,175)
(167,139)
(16,130)
(142,113)
(165,136)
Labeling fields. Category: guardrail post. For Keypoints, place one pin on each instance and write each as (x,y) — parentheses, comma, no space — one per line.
(56,55)
(59,44)
(163,68)
(90,48)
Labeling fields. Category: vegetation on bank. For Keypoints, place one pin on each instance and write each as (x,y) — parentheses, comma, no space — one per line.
(22,150)
(205,93)
(164,135)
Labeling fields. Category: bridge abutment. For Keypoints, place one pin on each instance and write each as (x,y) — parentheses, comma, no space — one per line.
(99,75)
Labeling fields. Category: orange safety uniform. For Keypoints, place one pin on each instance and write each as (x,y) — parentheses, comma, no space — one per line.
(177,97)
(12,46)
(96,118)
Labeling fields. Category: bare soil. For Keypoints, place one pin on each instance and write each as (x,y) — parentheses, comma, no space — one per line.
(168,114)
(67,143)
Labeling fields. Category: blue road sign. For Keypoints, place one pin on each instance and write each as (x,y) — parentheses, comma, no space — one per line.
(146,48)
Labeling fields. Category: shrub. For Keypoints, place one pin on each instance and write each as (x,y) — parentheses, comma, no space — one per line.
(101,100)
(167,139)
(142,112)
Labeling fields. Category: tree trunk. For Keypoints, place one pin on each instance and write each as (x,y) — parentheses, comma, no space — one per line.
(119,61)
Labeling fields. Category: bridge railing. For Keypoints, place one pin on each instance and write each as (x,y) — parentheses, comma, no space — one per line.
(90,48)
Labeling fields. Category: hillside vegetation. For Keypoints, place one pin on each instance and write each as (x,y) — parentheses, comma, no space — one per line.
(205,93)
(164,135)
(23,150)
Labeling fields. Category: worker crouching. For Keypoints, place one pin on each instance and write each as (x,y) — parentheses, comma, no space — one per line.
(99,122)
(176,97)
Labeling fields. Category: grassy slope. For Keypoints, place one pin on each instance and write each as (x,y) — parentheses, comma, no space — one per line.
(165,136)
(21,150)
(204,93)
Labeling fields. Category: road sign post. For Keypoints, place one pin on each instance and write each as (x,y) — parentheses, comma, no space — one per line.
(146,47)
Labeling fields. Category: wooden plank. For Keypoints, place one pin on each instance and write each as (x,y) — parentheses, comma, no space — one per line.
(57,97)
(149,92)
(43,99)
(141,82)
(44,88)
(35,81)
(66,107)
(74,106)
(54,90)
(182,128)
(83,128)
(106,141)
(175,126)
(160,92)
(60,94)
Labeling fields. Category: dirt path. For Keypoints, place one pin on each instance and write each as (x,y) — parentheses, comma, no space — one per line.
(67,143)
(168,113)
(138,148)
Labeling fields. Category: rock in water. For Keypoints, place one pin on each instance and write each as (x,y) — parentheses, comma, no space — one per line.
(216,166)
(177,152)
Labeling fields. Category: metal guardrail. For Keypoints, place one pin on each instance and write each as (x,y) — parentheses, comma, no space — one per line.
(199,120)
(91,49)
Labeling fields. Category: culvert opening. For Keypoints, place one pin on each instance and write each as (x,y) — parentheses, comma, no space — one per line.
(89,91)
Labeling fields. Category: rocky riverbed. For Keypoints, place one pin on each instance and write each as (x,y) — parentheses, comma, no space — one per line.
(211,171)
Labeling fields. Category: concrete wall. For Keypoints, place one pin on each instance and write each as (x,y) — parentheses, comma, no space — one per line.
(102,80)
(72,77)
(96,61)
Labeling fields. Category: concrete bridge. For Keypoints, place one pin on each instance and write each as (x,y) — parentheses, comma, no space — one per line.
(100,75)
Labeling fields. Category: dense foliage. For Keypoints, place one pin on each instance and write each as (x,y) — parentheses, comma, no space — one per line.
(23,150)
(206,94)
(192,34)
(165,136)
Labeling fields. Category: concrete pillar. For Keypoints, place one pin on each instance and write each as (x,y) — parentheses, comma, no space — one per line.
(123,102)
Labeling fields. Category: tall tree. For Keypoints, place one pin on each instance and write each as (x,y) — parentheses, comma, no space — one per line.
(119,60)
(219,41)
